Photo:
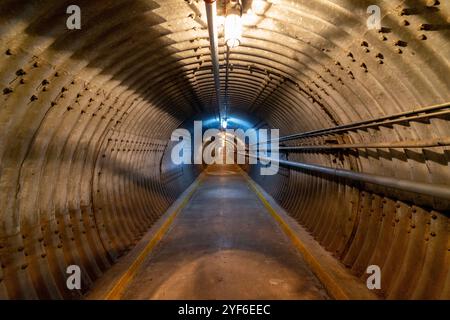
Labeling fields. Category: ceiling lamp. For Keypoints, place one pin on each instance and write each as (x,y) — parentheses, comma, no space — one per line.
(224,124)
(233,24)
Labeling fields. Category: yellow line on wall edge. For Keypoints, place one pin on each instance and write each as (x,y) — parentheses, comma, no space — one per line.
(333,288)
(116,292)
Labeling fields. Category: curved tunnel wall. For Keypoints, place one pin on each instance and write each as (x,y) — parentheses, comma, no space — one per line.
(86,116)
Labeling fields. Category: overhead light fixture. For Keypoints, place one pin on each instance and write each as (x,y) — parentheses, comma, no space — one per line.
(224,124)
(233,30)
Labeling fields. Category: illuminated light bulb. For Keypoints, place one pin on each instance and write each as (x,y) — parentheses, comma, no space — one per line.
(233,30)
(224,124)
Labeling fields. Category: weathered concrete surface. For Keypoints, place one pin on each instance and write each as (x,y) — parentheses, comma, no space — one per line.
(225,245)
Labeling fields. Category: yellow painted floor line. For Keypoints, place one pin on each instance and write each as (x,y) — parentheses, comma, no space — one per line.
(116,292)
(333,288)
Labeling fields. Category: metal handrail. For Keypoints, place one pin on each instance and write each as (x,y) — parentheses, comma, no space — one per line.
(429,143)
(413,115)
(434,190)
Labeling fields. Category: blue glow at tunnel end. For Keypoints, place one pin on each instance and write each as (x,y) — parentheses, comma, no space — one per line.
(230,122)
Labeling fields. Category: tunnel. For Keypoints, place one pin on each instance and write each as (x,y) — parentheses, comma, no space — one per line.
(97,95)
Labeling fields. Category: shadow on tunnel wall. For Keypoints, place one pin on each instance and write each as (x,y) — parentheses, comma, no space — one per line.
(83,134)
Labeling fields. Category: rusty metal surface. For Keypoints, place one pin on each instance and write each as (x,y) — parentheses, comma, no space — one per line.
(85,117)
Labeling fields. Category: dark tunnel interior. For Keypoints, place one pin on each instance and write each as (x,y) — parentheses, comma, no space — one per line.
(87,116)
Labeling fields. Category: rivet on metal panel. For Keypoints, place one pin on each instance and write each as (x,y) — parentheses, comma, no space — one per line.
(400,43)
(431,3)
(20,72)
(426,26)
(364,66)
(350,55)
(7,91)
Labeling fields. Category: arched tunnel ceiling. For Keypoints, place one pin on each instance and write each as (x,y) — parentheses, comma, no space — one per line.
(314,59)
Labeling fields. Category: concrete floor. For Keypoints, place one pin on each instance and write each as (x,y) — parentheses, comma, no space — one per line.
(224,245)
